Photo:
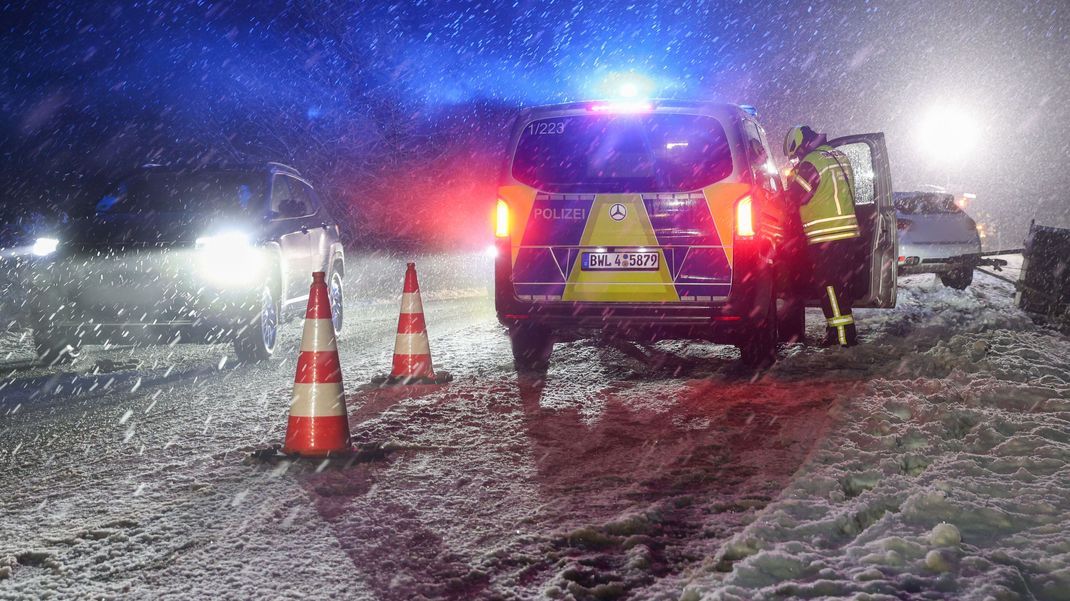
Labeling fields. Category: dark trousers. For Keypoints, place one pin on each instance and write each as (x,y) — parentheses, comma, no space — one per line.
(831,278)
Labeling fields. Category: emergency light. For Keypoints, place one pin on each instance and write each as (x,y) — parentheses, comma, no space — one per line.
(622,106)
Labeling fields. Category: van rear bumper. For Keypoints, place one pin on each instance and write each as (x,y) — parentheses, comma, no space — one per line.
(649,322)
(724,321)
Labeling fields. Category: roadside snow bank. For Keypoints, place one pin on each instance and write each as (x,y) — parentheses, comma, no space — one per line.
(947,474)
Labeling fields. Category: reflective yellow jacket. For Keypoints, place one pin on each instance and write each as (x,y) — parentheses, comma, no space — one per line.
(823,184)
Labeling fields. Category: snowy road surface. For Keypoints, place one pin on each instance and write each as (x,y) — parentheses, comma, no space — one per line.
(640,472)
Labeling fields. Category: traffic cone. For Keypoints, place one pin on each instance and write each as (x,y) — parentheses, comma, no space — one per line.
(318,424)
(412,353)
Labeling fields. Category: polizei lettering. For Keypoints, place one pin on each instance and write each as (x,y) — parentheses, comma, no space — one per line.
(560,213)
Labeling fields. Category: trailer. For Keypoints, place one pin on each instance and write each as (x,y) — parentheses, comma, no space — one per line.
(1043,288)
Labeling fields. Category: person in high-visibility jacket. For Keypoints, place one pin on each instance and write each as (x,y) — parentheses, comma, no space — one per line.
(821,186)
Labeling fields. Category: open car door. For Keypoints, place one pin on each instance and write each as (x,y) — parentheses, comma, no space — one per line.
(875,274)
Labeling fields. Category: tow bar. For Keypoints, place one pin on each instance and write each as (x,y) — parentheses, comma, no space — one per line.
(996,264)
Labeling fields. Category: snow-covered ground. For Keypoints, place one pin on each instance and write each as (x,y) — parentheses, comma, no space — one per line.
(930,462)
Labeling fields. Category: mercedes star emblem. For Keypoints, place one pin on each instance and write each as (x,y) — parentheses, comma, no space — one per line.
(618,212)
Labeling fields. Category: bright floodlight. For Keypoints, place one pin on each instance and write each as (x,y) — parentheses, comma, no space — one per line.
(626,85)
(948,134)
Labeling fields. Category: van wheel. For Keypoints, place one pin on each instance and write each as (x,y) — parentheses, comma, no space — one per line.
(532,347)
(791,321)
(257,341)
(959,279)
(759,345)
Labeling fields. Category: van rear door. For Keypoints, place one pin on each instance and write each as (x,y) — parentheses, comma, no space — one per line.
(623,207)
(875,272)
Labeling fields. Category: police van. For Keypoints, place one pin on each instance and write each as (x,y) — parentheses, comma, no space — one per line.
(655,220)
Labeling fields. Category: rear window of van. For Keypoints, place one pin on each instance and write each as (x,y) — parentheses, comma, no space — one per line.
(622,153)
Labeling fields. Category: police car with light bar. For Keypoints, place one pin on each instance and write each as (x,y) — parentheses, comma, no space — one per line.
(665,219)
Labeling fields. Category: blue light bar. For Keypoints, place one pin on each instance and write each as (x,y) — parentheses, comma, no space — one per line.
(750,110)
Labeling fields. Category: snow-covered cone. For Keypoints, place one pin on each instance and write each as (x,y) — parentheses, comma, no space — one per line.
(318,424)
(412,352)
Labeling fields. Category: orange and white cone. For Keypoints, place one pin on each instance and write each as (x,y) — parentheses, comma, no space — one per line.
(318,424)
(412,352)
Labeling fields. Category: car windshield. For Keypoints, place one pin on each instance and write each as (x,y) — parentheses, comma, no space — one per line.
(208,192)
(622,153)
(926,203)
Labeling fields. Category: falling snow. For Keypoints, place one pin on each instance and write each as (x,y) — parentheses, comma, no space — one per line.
(930,462)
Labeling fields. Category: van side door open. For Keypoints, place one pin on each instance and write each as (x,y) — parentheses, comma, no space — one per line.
(875,272)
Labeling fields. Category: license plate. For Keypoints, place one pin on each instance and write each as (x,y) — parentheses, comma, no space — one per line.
(621,261)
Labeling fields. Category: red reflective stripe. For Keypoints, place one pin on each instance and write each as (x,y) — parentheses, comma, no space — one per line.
(317,436)
(411,323)
(411,285)
(410,366)
(319,306)
(318,367)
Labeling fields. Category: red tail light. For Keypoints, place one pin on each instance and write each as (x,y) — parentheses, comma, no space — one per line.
(903,224)
(501,220)
(744,218)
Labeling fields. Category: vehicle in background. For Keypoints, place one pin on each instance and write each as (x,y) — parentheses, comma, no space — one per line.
(665,219)
(190,255)
(936,236)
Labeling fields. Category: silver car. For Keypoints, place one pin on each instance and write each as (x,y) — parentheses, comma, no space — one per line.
(936,236)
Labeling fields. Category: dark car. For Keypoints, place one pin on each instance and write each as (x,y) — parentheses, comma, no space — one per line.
(187,255)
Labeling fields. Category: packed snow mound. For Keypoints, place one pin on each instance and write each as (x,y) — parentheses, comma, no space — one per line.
(946,474)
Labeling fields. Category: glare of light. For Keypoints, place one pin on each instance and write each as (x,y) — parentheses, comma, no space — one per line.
(948,134)
(44,246)
(491,252)
(626,84)
(672,145)
(640,106)
(501,219)
(744,218)
(227,241)
(229,258)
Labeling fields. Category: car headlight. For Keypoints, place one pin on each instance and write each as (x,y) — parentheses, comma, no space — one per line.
(226,242)
(44,246)
(229,258)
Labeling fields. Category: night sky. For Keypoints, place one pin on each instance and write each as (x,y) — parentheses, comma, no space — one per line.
(351,90)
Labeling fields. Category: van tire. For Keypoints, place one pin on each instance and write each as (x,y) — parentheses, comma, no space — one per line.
(959,278)
(759,345)
(532,347)
(791,321)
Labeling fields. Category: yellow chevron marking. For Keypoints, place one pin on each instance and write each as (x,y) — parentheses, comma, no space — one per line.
(635,230)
